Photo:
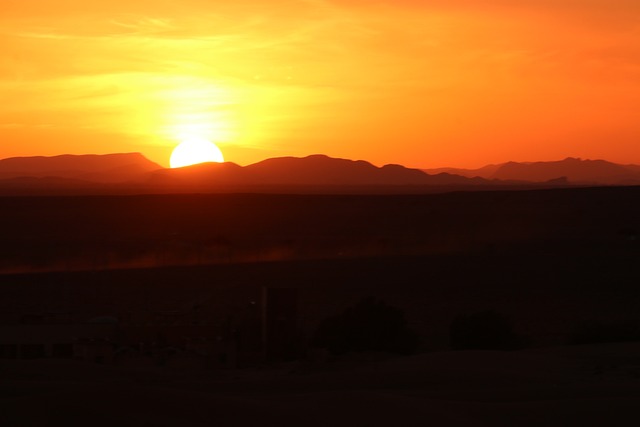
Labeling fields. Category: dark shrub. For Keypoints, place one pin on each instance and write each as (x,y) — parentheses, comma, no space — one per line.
(591,332)
(486,330)
(370,325)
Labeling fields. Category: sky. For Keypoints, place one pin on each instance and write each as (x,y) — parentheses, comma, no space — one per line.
(459,83)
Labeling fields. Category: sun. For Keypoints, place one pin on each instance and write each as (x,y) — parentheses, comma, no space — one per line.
(193,151)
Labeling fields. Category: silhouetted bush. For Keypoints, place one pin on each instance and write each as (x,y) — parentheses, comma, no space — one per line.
(592,332)
(370,325)
(486,330)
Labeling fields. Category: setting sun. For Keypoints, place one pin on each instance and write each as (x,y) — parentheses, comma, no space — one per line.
(194,151)
(279,78)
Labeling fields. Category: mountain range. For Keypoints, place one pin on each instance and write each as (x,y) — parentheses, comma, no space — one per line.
(311,171)
(574,170)
(109,168)
(132,173)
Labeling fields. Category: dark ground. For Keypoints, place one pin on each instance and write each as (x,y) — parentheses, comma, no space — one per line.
(550,261)
(105,232)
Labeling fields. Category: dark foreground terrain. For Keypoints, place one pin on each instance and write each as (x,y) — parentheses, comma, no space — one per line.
(106,232)
(204,310)
(563,386)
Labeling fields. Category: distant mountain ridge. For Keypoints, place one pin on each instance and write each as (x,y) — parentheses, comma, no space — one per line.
(132,173)
(314,170)
(574,170)
(90,167)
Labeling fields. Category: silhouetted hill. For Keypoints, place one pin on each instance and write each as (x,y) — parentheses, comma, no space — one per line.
(483,172)
(201,175)
(57,186)
(323,170)
(575,171)
(134,174)
(312,171)
(95,168)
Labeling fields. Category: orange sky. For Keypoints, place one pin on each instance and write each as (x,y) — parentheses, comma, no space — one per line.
(451,83)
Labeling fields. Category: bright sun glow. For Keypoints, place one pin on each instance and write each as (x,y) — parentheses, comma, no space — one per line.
(193,151)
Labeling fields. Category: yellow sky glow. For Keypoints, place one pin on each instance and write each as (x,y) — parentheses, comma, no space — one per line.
(448,84)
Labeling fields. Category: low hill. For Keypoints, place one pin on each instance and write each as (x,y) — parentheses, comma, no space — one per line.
(132,173)
(575,170)
(485,172)
(311,171)
(92,167)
